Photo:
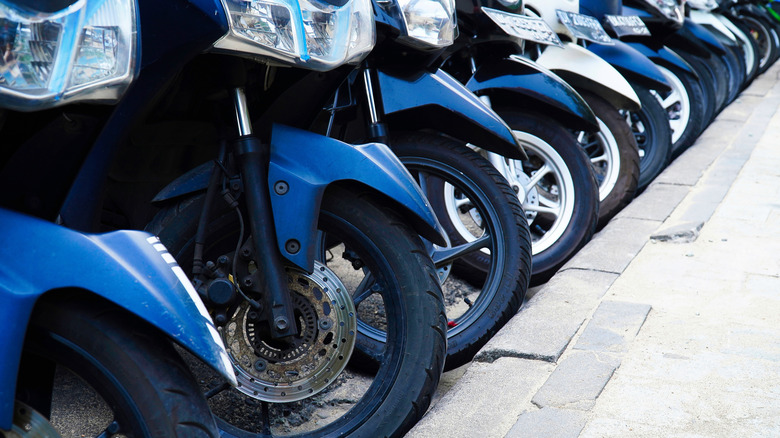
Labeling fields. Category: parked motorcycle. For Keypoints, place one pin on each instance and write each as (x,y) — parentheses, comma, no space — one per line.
(430,121)
(650,124)
(613,149)
(556,184)
(100,316)
(248,227)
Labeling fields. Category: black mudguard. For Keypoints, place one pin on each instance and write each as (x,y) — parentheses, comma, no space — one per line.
(518,82)
(425,100)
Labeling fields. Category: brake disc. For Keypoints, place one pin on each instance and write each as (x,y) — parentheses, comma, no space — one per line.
(28,423)
(291,369)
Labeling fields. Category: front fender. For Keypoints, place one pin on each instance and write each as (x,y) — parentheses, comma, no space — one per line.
(584,70)
(664,57)
(373,164)
(696,39)
(519,82)
(131,269)
(635,66)
(308,163)
(438,101)
(711,19)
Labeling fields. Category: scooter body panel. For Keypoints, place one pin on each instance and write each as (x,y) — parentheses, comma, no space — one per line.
(585,70)
(295,210)
(520,81)
(434,100)
(634,65)
(131,269)
(711,19)
(664,57)
(696,39)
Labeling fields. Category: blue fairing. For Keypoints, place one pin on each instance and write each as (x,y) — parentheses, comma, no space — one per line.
(664,57)
(129,268)
(293,155)
(699,33)
(438,101)
(520,82)
(632,64)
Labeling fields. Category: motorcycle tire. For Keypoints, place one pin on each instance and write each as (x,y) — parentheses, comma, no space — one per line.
(749,50)
(368,252)
(765,41)
(140,376)
(562,203)
(614,156)
(715,88)
(650,127)
(474,203)
(685,107)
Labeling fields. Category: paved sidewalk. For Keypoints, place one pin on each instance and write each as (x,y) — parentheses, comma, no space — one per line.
(667,324)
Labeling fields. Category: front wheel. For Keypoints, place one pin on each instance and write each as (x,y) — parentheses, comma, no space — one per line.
(486,269)
(373,277)
(559,191)
(650,126)
(105,360)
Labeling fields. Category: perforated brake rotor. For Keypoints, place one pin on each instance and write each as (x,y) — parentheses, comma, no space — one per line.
(292,369)
(28,423)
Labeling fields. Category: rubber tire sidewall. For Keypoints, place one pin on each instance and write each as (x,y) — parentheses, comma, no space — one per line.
(628,175)
(507,213)
(138,373)
(657,128)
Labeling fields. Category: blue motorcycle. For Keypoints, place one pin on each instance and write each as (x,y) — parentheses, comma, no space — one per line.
(89,312)
(288,237)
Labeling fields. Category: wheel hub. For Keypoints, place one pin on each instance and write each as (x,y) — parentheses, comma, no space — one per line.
(297,367)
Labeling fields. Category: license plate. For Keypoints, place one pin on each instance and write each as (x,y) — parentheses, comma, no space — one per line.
(627,25)
(526,28)
(584,27)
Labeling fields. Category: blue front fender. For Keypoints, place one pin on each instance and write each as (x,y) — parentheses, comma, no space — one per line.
(664,57)
(635,66)
(308,163)
(128,268)
(518,82)
(438,101)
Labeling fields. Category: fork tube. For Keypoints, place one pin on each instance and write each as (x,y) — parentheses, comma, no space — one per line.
(254,157)
(377,130)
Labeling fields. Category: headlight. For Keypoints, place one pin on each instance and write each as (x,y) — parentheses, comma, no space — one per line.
(670,8)
(83,52)
(313,34)
(429,23)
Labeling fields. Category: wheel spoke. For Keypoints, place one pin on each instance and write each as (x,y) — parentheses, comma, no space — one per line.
(541,209)
(460,202)
(446,256)
(599,159)
(536,177)
(217,389)
(364,290)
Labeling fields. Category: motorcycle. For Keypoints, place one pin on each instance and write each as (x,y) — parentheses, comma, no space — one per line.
(430,121)
(650,124)
(613,151)
(249,226)
(556,184)
(103,315)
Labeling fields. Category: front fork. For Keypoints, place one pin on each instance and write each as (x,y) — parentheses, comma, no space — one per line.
(253,157)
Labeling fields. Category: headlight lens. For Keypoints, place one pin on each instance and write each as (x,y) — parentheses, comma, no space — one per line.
(670,8)
(85,52)
(309,33)
(429,23)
